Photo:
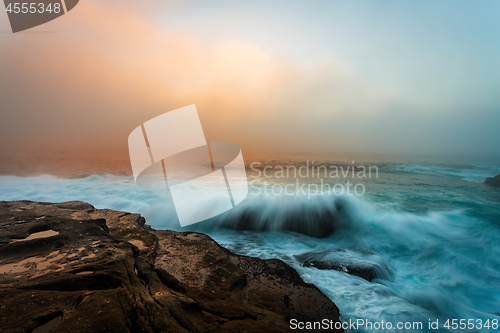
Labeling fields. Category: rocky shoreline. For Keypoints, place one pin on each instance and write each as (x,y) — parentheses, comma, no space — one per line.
(69,267)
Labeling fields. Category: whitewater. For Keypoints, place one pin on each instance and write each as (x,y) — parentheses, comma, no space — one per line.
(429,233)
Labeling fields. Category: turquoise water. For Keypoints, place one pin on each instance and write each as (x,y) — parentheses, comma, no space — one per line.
(434,229)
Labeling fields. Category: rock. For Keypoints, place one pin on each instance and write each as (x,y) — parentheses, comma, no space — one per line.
(315,218)
(493,181)
(73,268)
(364,265)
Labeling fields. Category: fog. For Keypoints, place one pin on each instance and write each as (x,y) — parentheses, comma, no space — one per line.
(278,80)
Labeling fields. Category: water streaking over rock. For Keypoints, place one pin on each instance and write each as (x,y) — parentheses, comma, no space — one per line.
(316,218)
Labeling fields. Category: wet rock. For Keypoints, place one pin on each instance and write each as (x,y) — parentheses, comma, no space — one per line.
(493,181)
(364,265)
(90,270)
(315,218)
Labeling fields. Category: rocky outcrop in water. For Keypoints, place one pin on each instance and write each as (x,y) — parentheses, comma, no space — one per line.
(72,268)
(314,218)
(364,265)
(493,181)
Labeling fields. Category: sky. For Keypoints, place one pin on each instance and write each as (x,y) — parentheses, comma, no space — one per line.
(278,78)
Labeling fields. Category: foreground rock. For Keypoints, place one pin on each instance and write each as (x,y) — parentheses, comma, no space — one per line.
(72,268)
(494,181)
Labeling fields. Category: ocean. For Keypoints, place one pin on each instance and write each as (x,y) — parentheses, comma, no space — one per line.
(429,234)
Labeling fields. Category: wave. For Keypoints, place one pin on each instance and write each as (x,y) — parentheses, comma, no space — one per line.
(315,218)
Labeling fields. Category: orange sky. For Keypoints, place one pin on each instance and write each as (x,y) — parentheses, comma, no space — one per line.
(88,87)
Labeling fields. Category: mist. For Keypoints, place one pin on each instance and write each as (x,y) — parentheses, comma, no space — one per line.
(416,84)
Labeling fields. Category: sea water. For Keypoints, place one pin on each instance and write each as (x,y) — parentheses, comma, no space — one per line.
(434,229)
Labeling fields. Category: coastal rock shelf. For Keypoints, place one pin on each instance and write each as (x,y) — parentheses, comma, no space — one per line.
(69,267)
